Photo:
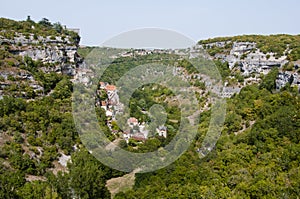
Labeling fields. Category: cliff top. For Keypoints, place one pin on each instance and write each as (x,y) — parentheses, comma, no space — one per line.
(10,28)
(281,44)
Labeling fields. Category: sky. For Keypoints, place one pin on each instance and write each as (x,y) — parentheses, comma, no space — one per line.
(100,20)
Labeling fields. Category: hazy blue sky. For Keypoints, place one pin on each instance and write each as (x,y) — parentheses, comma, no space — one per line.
(100,20)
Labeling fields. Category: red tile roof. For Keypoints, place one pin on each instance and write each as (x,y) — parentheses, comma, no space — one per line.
(139,137)
(102,84)
(110,88)
(132,120)
(103,103)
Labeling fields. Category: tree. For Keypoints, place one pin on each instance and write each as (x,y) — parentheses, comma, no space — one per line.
(63,89)
(37,189)
(58,27)
(87,176)
(45,22)
(269,81)
(10,182)
(29,19)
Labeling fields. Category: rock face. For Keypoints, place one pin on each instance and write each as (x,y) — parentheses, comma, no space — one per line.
(19,78)
(51,54)
(287,77)
(58,54)
(250,59)
(61,52)
(251,62)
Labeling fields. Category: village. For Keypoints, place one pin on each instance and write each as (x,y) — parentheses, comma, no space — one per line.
(109,101)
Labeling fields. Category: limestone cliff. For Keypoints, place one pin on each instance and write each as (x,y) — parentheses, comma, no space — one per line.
(59,51)
(30,53)
(253,56)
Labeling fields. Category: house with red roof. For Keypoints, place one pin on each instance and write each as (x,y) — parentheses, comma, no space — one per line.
(138,137)
(132,122)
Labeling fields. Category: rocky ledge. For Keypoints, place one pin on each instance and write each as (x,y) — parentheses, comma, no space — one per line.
(247,58)
(61,52)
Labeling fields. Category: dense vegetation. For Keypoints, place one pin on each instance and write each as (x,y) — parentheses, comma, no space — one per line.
(262,161)
(34,134)
(36,127)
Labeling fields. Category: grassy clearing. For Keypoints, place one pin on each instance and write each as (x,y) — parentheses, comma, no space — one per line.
(120,184)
